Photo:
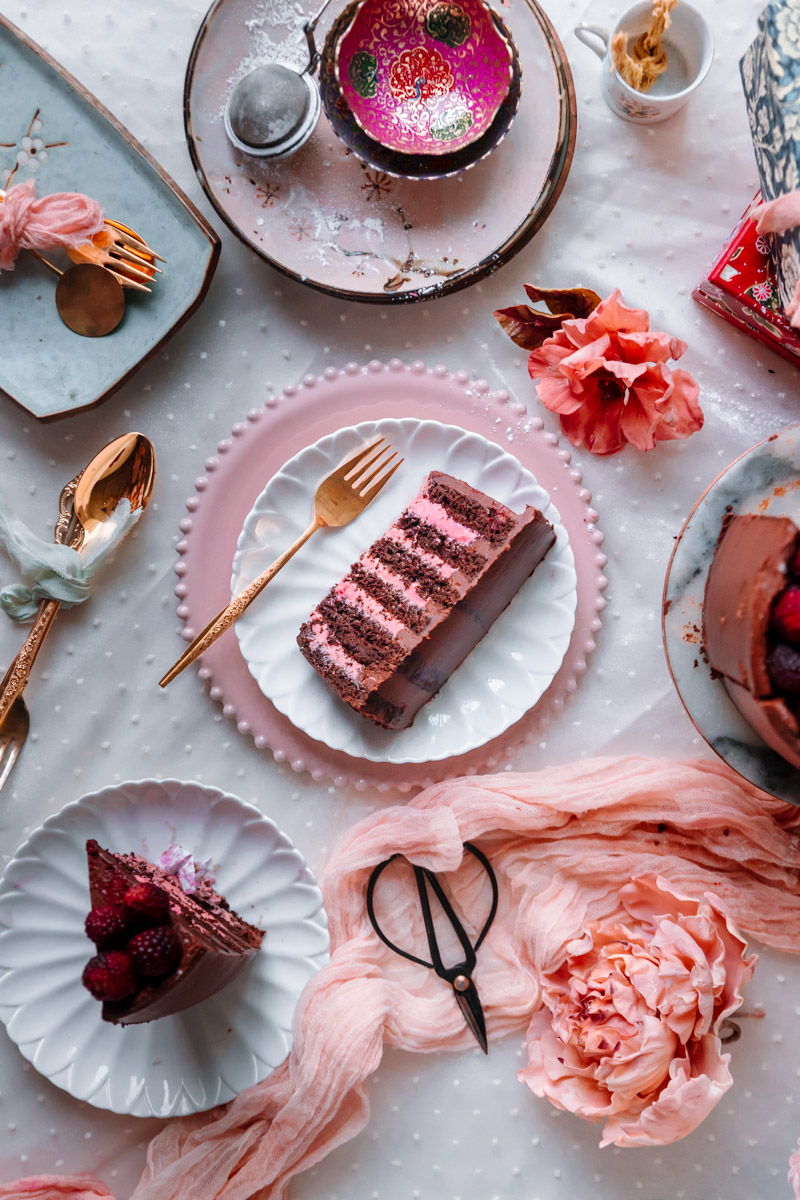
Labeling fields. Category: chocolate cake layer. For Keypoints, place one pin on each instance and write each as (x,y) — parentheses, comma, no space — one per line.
(216,943)
(747,573)
(433,585)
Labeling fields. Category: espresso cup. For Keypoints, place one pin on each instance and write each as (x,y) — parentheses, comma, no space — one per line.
(690,52)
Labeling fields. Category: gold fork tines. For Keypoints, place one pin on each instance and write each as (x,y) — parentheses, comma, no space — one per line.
(123,253)
(338,500)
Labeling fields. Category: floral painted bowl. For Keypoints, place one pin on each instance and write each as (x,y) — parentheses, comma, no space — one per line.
(424,76)
(391,162)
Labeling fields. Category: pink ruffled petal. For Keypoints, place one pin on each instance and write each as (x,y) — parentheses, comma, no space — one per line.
(613,316)
(696,1085)
(650,347)
(558,395)
(595,424)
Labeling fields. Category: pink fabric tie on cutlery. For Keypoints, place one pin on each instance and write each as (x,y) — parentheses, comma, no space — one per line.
(565,844)
(64,219)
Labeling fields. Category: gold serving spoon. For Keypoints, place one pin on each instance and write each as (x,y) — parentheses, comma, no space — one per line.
(124,469)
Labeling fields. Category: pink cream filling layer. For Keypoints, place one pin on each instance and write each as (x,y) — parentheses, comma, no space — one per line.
(353,594)
(321,640)
(431,560)
(433,514)
(406,590)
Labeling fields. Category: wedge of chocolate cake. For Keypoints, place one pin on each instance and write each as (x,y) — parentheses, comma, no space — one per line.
(390,633)
(164,944)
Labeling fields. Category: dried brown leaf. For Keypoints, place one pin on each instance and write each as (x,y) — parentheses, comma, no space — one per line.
(567,302)
(527,327)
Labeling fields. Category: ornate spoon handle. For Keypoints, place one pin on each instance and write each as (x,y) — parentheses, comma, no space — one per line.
(17,675)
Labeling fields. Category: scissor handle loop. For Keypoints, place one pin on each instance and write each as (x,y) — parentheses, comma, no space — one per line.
(424,878)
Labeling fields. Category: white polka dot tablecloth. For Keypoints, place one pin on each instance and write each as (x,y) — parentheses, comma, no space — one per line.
(644,209)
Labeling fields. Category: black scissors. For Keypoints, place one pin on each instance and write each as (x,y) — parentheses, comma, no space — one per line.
(460,976)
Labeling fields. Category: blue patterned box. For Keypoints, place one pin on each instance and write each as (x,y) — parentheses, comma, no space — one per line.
(771,79)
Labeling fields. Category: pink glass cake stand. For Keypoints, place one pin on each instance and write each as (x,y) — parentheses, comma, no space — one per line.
(258,447)
(424,77)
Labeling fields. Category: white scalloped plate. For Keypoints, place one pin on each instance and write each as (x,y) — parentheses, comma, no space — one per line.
(506,673)
(198,1058)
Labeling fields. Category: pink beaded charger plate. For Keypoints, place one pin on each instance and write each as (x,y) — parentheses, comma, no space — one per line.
(258,448)
(424,78)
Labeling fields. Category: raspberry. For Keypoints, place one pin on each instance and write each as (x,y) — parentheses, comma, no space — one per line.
(114,890)
(110,976)
(155,953)
(783,665)
(147,904)
(786,615)
(107,926)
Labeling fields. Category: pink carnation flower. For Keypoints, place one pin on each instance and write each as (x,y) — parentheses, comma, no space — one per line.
(606,375)
(629,1029)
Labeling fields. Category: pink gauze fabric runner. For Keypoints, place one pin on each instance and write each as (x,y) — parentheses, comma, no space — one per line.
(565,844)
(63,219)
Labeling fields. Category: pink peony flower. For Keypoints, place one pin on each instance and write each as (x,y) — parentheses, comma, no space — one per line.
(628,1033)
(606,375)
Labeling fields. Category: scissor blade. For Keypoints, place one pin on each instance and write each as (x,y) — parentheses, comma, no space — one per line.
(470,1006)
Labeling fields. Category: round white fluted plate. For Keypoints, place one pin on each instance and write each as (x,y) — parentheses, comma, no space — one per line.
(501,679)
(198,1058)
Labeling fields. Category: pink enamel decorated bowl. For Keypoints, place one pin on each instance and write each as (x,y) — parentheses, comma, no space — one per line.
(424,76)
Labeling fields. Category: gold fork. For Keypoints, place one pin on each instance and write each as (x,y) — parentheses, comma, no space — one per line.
(338,500)
(123,253)
(119,250)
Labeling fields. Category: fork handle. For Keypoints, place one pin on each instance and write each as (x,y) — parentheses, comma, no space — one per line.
(237,606)
(18,673)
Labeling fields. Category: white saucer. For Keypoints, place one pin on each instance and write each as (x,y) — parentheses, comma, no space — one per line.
(198,1058)
(496,685)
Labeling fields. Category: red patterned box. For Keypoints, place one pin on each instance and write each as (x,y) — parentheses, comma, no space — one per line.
(741,288)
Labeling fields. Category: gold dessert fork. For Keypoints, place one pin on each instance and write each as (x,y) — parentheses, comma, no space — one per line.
(123,253)
(338,500)
(117,248)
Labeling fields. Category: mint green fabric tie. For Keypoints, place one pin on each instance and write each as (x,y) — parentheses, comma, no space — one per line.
(51,571)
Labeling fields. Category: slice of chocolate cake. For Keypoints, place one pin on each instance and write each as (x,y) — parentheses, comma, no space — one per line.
(161,948)
(390,634)
(751,625)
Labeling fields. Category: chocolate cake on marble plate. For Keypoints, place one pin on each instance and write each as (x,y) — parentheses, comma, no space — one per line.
(751,625)
(165,938)
(418,601)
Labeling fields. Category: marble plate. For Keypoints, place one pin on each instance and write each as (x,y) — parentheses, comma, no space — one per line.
(198,1058)
(764,480)
(55,131)
(354,231)
(503,677)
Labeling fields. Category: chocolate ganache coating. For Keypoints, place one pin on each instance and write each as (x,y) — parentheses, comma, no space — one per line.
(216,943)
(748,573)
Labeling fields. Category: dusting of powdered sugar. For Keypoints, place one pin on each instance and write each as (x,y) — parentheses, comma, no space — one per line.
(276,35)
